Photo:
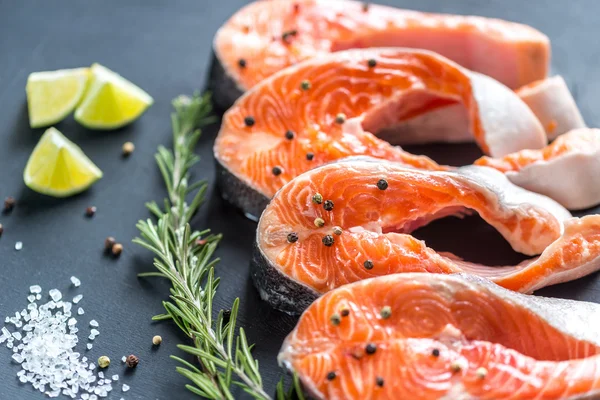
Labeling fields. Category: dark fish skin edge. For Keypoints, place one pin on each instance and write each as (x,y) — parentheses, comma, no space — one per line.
(224,90)
(278,290)
(240,195)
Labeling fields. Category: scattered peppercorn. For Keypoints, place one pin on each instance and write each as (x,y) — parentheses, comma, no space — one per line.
(292,237)
(368,264)
(455,367)
(335,319)
(328,240)
(117,249)
(1,229)
(386,312)
(305,85)
(337,230)
(317,198)
(226,315)
(379,381)
(132,361)
(289,135)
(345,312)
(90,211)
(242,63)
(156,340)
(109,242)
(331,376)
(127,149)
(435,352)
(371,63)
(382,184)
(371,348)
(365,6)
(481,373)
(288,35)
(319,222)
(277,171)
(249,121)
(9,204)
(310,156)
(328,205)
(340,118)
(103,361)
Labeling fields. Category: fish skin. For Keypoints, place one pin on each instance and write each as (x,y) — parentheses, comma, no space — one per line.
(567,170)
(376,226)
(512,53)
(500,121)
(532,347)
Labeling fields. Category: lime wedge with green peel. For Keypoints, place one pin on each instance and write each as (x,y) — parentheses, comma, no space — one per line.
(111,101)
(52,95)
(58,167)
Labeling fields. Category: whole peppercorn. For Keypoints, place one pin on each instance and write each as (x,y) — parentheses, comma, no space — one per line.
(386,312)
(382,184)
(117,249)
(292,237)
(156,340)
(317,198)
(371,348)
(328,205)
(328,240)
(319,222)
(435,352)
(109,242)
(305,85)
(337,230)
(331,376)
(340,118)
(289,135)
(242,63)
(90,211)
(455,367)
(132,361)
(310,156)
(345,312)
(277,171)
(372,63)
(481,372)
(368,264)
(9,204)
(128,148)
(249,121)
(103,362)
(335,319)
(379,381)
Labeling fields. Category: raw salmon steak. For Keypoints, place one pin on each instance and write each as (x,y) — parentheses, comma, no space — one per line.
(264,37)
(328,108)
(567,170)
(426,336)
(352,220)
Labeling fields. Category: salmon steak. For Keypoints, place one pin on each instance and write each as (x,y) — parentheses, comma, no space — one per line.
(567,170)
(427,336)
(352,220)
(331,107)
(265,37)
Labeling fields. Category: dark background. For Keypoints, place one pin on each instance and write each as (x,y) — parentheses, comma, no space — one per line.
(165,47)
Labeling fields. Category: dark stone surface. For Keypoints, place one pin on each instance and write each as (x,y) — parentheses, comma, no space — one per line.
(165,47)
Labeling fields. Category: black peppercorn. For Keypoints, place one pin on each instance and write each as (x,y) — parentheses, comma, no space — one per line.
(368,264)
(379,381)
(371,348)
(382,184)
(310,156)
(249,121)
(331,376)
(242,63)
(372,63)
(328,240)
(132,361)
(435,352)
(328,205)
(277,171)
(292,237)
(289,135)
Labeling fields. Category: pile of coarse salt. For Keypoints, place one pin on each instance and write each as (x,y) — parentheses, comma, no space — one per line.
(43,342)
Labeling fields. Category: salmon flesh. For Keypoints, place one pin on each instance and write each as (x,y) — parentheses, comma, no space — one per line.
(265,37)
(352,220)
(426,336)
(331,107)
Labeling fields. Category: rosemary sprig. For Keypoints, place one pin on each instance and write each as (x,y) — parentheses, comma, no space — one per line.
(185,257)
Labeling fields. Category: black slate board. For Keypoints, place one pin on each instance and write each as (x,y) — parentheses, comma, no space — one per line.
(165,47)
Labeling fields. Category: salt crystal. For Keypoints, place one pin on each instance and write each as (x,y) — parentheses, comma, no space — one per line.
(38,296)
(80,311)
(125,388)
(55,294)
(94,323)
(71,322)
(17,335)
(77,298)
(75,281)
(95,332)
(31,298)
(89,346)
(101,375)
(115,377)
(18,246)
(123,358)
(18,358)
(35,289)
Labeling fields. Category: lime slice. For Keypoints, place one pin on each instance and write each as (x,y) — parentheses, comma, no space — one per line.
(111,101)
(58,167)
(52,95)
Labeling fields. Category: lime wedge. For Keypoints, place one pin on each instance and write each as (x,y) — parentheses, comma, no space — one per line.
(52,95)
(111,101)
(58,167)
